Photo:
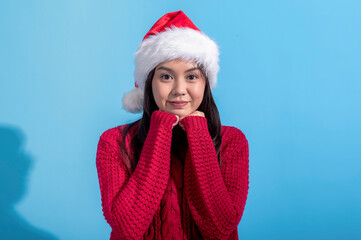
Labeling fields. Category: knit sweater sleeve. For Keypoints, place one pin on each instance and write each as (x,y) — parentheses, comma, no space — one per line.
(216,199)
(129,203)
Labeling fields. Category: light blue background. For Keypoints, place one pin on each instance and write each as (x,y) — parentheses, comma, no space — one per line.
(289,79)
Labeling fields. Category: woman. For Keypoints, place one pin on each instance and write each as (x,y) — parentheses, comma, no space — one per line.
(176,173)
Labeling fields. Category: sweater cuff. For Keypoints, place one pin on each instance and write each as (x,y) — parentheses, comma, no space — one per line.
(162,118)
(194,122)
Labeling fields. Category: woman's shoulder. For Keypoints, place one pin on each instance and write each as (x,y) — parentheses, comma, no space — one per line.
(114,135)
(232,134)
(233,141)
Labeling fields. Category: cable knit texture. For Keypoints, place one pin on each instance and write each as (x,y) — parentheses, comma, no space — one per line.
(166,198)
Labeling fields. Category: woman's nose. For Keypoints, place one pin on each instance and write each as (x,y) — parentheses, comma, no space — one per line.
(180,87)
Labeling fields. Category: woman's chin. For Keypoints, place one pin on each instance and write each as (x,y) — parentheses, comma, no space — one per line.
(180,112)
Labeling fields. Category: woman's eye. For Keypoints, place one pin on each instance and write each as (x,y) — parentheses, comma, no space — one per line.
(165,76)
(192,77)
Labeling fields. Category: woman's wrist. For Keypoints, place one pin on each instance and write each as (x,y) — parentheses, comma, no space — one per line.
(194,122)
(163,118)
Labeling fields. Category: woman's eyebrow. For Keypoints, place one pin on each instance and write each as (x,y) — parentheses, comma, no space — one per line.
(170,70)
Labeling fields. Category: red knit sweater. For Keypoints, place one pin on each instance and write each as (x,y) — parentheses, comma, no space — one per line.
(166,199)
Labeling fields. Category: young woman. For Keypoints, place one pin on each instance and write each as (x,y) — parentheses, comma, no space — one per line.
(176,173)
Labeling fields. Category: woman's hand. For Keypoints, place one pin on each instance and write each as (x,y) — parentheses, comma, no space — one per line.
(195,113)
(175,124)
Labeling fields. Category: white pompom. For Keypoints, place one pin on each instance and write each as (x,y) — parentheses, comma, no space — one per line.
(133,100)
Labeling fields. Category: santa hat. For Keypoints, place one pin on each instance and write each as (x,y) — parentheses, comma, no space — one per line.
(173,36)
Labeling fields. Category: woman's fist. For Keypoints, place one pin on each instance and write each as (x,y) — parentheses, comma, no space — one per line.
(176,122)
(195,113)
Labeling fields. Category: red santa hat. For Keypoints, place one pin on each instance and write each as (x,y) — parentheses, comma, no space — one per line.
(173,36)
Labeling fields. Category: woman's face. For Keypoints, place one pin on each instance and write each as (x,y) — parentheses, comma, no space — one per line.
(178,87)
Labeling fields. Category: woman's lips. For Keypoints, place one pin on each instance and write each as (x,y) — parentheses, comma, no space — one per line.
(178,104)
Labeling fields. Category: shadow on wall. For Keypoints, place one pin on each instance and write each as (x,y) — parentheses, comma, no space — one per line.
(15,165)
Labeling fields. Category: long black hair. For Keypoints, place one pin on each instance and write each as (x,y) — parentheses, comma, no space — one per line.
(208,107)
